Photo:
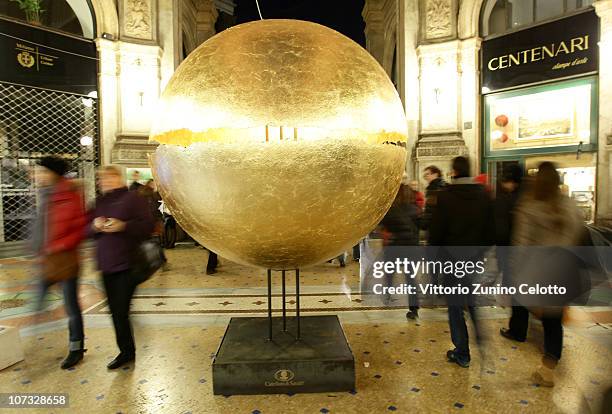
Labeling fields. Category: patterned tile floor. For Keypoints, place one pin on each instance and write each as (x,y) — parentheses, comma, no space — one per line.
(400,364)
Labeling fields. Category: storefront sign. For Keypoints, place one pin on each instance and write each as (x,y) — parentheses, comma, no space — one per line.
(38,57)
(559,49)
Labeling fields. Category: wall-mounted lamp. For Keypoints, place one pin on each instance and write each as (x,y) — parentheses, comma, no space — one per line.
(108,36)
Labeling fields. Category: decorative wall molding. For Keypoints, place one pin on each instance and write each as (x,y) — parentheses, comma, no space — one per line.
(440,146)
(132,150)
(439,20)
(138,20)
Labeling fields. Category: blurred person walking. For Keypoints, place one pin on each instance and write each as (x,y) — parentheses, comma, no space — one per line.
(135,185)
(462,216)
(546,217)
(57,234)
(435,184)
(419,196)
(119,222)
(400,229)
(505,209)
(149,192)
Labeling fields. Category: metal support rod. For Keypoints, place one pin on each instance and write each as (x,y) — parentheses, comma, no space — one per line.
(284,304)
(297,301)
(269,304)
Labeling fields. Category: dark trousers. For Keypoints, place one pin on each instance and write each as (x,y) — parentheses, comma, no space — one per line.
(162,253)
(119,290)
(213,260)
(519,321)
(70,289)
(553,337)
(553,330)
(459,331)
(356,252)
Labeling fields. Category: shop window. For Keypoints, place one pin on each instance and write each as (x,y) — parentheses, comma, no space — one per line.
(71,16)
(501,16)
(545,118)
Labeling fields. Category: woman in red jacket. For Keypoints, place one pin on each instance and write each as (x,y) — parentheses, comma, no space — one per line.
(56,236)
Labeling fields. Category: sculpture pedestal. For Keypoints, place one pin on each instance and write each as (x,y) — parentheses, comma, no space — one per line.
(248,363)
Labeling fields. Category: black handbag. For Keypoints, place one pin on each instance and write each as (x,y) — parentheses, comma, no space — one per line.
(148,260)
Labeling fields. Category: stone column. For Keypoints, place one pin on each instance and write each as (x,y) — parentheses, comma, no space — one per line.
(408,70)
(469,100)
(206,16)
(137,62)
(108,97)
(441,83)
(139,83)
(169,38)
(603,9)
(373,17)
(441,135)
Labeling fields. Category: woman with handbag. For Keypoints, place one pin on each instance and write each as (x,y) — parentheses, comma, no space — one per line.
(545,223)
(119,223)
(57,233)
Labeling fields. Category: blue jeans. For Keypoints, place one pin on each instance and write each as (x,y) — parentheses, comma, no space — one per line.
(70,290)
(459,331)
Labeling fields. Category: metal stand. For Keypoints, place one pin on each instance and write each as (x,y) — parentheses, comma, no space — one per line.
(269,305)
(284,305)
(284,298)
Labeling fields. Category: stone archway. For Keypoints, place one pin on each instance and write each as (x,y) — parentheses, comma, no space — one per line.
(107,20)
(469,18)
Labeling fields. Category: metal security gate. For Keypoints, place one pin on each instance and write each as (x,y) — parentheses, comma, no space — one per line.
(35,123)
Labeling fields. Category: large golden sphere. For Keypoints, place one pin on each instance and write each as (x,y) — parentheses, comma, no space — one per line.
(280,143)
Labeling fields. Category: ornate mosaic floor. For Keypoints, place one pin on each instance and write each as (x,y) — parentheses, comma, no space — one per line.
(180,317)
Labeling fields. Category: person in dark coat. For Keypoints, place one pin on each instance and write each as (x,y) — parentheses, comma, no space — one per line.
(135,186)
(119,222)
(400,229)
(149,192)
(462,216)
(505,206)
(59,229)
(435,184)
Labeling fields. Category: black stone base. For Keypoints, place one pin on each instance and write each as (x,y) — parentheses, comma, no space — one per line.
(247,363)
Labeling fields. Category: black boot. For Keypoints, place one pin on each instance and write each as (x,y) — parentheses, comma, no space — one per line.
(413,312)
(121,360)
(73,358)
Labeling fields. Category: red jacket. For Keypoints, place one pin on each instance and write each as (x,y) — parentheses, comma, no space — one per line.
(419,200)
(66,218)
